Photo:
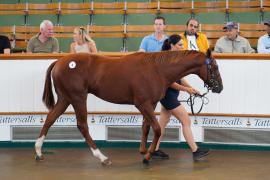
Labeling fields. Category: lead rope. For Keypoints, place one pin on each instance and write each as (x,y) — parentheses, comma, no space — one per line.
(191,101)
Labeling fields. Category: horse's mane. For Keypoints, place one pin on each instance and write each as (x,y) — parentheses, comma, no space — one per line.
(166,56)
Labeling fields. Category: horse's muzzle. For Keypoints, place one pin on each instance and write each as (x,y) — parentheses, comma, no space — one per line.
(217,89)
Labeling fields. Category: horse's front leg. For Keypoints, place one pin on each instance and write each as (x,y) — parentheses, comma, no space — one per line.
(57,110)
(145,132)
(147,109)
(81,115)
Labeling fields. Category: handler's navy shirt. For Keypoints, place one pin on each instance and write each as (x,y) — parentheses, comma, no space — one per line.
(170,100)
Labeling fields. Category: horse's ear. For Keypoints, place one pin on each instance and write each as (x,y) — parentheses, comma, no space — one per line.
(208,53)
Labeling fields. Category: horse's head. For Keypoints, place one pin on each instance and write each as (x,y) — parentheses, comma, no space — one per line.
(210,74)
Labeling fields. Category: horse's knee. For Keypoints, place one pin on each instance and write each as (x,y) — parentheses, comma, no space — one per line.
(145,124)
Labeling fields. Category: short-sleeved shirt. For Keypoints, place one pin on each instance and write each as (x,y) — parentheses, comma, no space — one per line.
(264,44)
(151,44)
(36,46)
(4,44)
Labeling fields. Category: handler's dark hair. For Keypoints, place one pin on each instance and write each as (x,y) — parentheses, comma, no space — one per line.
(173,39)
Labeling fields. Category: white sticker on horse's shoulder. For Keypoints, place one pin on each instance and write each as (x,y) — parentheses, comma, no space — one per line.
(72,65)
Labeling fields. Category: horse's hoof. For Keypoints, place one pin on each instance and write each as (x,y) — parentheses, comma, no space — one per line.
(106,162)
(39,158)
(145,161)
(147,158)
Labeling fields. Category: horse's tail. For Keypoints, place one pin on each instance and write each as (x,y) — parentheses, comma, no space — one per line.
(47,97)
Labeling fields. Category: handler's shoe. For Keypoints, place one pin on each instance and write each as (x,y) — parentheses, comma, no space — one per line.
(160,155)
(200,153)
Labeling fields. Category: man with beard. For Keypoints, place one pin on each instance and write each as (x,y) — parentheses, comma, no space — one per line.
(193,40)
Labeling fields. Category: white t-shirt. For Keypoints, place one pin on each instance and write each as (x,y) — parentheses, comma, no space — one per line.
(192,44)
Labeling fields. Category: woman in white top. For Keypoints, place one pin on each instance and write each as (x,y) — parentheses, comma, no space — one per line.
(82,42)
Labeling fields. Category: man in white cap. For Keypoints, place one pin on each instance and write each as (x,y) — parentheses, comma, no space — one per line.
(264,41)
(232,42)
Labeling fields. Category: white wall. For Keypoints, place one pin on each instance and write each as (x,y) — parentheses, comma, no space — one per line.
(246,91)
(246,88)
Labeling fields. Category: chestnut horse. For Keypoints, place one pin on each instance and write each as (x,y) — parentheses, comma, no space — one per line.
(140,79)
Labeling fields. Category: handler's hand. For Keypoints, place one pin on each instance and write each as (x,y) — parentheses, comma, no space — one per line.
(191,90)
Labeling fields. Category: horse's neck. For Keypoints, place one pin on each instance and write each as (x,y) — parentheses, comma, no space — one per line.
(172,71)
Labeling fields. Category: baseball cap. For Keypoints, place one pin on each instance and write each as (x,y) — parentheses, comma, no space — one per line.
(231,25)
(267,23)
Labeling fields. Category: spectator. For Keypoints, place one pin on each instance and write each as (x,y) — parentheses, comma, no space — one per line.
(4,45)
(264,41)
(82,42)
(194,40)
(232,42)
(44,42)
(154,42)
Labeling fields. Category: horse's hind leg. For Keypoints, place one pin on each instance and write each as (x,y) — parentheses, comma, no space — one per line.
(145,132)
(81,115)
(57,110)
